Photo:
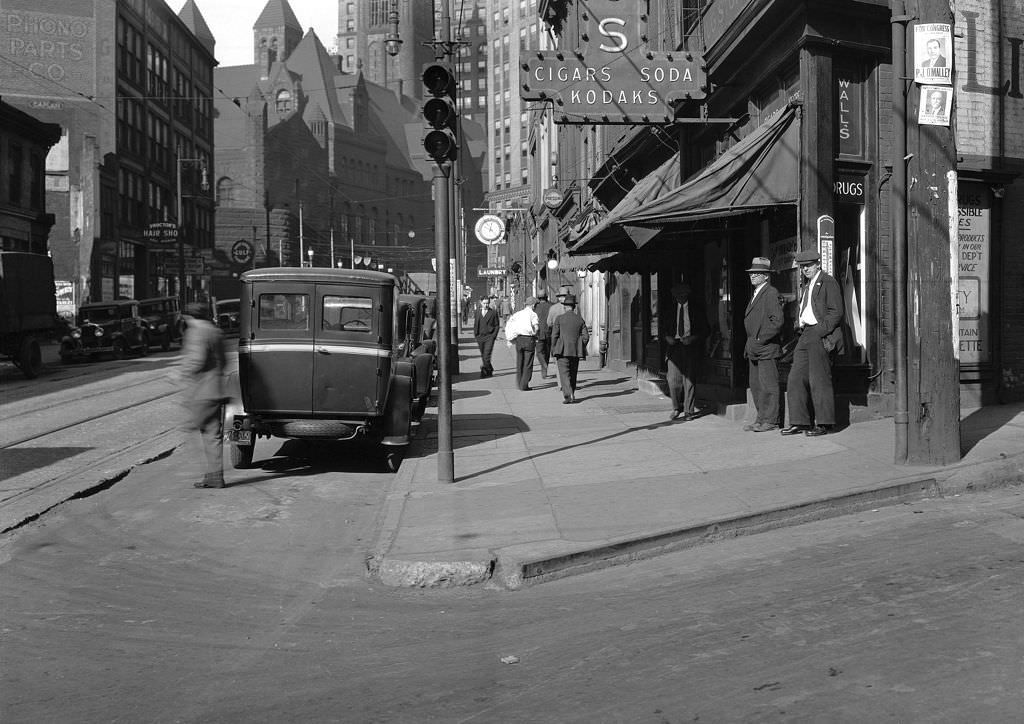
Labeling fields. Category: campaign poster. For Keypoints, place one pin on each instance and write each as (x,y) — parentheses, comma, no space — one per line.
(933,53)
(935,105)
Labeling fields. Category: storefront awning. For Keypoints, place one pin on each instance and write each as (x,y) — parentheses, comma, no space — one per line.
(760,171)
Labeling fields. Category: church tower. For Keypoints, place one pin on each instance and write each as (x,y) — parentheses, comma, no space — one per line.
(275,35)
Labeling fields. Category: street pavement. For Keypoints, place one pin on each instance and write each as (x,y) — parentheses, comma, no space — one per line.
(543,490)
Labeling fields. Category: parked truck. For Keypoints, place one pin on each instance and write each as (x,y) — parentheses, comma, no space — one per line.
(28,308)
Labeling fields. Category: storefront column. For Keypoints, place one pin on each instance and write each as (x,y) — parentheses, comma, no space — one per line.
(816,140)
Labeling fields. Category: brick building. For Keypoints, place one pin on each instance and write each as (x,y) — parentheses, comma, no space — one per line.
(130,84)
(804,101)
(24,144)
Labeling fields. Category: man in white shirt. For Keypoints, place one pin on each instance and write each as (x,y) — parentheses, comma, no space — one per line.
(521,331)
(812,409)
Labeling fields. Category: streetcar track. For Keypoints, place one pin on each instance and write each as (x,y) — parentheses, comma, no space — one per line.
(89,396)
(93,418)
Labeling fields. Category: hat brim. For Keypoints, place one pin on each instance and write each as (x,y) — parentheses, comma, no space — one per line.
(759,271)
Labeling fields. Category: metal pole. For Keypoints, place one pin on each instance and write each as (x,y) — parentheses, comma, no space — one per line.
(332,247)
(302,250)
(352,251)
(182,297)
(899,230)
(445,454)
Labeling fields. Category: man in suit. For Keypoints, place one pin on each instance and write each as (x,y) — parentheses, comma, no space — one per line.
(683,354)
(762,321)
(812,407)
(543,335)
(485,331)
(935,57)
(558,308)
(201,374)
(569,338)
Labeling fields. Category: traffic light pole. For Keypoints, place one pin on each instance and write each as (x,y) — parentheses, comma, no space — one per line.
(445,454)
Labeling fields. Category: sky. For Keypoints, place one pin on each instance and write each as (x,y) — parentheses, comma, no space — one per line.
(231,23)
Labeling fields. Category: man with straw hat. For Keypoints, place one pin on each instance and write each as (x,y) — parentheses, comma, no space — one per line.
(762,321)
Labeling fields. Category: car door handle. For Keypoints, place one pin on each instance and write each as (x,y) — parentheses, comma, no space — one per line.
(323,350)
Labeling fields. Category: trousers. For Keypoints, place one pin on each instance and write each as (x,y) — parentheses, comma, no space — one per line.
(205,417)
(809,385)
(568,371)
(764,388)
(524,360)
(681,375)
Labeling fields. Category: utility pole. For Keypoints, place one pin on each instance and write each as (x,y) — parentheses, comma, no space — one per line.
(178,161)
(441,143)
(930,191)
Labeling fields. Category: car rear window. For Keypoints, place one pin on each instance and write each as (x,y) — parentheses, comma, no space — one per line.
(284,311)
(347,314)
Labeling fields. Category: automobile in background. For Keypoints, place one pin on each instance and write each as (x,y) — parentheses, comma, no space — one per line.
(163,320)
(227,312)
(321,357)
(416,327)
(106,328)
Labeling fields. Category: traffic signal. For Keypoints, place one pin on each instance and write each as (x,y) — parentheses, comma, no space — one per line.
(439,112)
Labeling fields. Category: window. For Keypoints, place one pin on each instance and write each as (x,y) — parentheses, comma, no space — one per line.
(284,101)
(284,311)
(15,160)
(347,314)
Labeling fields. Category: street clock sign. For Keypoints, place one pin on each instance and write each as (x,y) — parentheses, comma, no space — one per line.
(490,229)
(612,77)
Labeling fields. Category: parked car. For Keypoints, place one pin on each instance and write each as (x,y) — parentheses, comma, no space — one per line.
(320,357)
(417,327)
(113,328)
(163,320)
(226,312)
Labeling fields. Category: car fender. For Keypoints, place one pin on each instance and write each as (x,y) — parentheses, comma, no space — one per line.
(398,411)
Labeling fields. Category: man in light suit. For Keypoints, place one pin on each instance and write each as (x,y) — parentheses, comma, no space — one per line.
(569,338)
(201,374)
(762,321)
(812,407)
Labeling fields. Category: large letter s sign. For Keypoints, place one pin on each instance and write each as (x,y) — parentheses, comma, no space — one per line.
(623,41)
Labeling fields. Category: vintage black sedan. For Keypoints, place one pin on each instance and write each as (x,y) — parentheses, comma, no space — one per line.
(163,320)
(106,328)
(321,357)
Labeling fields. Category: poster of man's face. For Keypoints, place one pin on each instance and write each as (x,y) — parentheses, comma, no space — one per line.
(934,108)
(933,50)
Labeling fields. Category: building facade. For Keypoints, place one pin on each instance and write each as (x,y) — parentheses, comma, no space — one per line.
(130,82)
(802,100)
(24,144)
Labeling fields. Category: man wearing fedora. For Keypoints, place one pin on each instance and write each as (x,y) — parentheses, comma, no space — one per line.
(569,338)
(485,331)
(558,308)
(812,406)
(762,321)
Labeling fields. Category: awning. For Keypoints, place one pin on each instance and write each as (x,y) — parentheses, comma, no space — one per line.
(760,171)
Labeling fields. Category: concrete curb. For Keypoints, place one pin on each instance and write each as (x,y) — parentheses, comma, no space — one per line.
(511,570)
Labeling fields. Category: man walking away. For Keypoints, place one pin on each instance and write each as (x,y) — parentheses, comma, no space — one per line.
(201,374)
(762,321)
(812,406)
(569,338)
(683,353)
(521,331)
(485,331)
(558,308)
(543,332)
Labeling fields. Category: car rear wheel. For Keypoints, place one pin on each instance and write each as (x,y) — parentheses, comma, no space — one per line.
(241,455)
(30,358)
(67,354)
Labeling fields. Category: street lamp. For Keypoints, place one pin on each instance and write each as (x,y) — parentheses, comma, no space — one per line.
(309,252)
(393,43)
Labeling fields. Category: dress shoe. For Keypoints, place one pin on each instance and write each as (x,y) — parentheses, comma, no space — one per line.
(674,415)
(764,427)
(209,484)
(567,401)
(792,430)
(749,427)
(817,431)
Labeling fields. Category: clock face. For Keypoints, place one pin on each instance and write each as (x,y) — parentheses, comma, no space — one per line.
(489,229)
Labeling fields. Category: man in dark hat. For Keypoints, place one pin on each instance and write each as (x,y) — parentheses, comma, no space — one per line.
(569,338)
(762,321)
(558,307)
(812,407)
(201,373)
(683,353)
(485,331)
(543,334)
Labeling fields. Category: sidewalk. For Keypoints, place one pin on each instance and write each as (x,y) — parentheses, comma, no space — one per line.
(543,490)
